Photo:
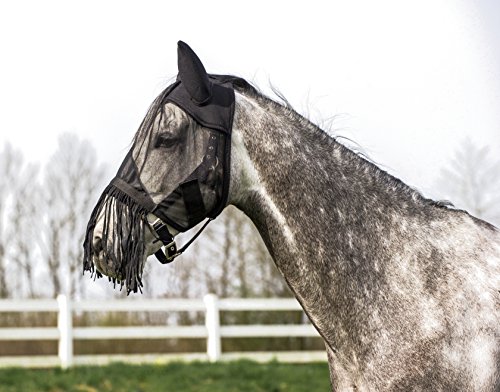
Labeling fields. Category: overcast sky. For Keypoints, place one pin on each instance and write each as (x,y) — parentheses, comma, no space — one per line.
(408,80)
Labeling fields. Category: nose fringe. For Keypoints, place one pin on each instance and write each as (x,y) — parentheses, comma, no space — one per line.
(116,217)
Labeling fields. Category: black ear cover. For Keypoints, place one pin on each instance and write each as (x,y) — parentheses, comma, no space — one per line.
(192,74)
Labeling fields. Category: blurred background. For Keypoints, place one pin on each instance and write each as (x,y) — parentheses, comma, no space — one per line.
(414,85)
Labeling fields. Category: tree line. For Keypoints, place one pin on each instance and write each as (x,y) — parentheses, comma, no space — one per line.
(43,217)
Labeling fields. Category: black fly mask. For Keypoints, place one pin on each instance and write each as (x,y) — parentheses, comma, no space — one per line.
(194,187)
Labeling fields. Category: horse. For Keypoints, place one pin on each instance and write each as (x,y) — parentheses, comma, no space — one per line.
(404,290)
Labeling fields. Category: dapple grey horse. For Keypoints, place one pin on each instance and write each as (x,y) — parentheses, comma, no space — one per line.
(405,291)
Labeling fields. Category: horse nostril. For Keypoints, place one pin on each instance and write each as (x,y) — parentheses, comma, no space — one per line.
(97,245)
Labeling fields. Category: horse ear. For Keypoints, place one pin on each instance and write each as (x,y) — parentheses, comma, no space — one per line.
(193,75)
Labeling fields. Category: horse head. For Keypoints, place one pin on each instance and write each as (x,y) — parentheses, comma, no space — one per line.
(175,175)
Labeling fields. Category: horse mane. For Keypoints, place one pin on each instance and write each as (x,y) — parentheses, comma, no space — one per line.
(283,106)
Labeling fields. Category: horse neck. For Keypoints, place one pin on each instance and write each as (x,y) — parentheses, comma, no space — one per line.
(293,178)
(322,211)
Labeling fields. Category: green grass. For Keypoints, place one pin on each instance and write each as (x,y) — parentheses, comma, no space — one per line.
(235,376)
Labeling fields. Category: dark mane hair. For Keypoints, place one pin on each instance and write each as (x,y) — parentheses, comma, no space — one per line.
(281,104)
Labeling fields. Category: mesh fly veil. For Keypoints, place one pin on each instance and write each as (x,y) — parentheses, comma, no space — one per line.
(185,166)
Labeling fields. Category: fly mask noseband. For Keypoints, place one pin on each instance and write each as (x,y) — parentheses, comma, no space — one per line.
(201,193)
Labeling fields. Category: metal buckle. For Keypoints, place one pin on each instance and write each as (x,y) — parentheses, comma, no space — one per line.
(168,252)
(171,250)
(155,227)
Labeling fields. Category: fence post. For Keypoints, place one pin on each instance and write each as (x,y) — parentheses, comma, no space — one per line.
(65,326)
(212,322)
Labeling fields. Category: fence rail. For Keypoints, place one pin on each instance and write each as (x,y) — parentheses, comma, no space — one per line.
(212,331)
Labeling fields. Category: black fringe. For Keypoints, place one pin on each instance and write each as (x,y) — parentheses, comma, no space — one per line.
(122,238)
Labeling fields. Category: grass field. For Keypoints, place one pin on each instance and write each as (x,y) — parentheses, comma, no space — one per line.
(235,376)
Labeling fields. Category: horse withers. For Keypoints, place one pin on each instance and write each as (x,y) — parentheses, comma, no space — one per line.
(404,291)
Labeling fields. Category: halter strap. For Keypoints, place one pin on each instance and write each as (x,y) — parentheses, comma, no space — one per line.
(170,251)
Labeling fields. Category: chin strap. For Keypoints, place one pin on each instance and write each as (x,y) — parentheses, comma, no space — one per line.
(170,252)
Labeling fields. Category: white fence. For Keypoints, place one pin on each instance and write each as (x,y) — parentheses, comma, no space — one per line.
(212,331)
